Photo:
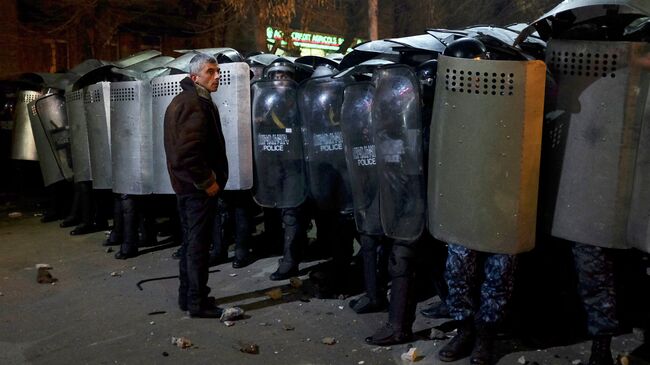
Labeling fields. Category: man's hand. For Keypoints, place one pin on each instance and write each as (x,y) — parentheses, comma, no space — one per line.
(213,189)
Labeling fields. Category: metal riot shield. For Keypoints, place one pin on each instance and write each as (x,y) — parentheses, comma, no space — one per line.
(233,99)
(280,180)
(50,126)
(131,137)
(639,222)
(485,152)
(397,131)
(98,121)
(595,139)
(319,101)
(78,135)
(356,126)
(163,90)
(23,146)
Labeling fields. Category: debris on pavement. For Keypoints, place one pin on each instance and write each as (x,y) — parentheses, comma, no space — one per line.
(411,355)
(576,362)
(288,327)
(521,360)
(116,274)
(228,323)
(250,348)
(232,275)
(15,215)
(231,313)
(274,294)
(329,340)
(165,353)
(295,282)
(43,275)
(181,342)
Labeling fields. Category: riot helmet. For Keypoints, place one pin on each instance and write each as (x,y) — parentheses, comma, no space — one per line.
(466,48)
(280,71)
(426,73)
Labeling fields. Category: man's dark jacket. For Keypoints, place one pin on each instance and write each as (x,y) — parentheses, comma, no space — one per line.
(194,143)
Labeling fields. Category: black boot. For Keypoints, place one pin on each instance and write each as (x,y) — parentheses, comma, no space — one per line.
(438,310)
(601,352)
(284,271)
(366,304)
(388,336)
(461,345)
(401,315)
(482,352)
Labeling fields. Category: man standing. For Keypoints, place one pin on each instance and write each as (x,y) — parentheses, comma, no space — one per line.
(198,169)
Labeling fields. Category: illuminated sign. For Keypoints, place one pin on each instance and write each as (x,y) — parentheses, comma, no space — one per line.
(308,40)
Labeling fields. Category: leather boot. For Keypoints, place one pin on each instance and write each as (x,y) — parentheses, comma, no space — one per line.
(482,352)
(461,345)
(601,352)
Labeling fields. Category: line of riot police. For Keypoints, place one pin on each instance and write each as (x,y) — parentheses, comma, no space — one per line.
(447,143)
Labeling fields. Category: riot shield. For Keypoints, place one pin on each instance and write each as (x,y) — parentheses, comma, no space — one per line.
(598,89)
(397,131)
(23,146)
(78,135)
(485,152)
(356,126)
(131,137)
(319,101)
(233,100)
(51,134)
(639,223)
(163,91)
(98,121)
(280,180)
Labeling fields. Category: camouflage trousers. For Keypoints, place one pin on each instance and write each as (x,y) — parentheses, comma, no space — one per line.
(596,288)
(462,275)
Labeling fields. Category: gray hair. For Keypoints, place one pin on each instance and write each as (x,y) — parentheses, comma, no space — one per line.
(197,62)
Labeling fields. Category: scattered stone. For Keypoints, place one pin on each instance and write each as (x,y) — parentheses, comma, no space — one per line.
(576,362)
(15,215)
(44,266)
(274,294)
(233,275)
(250,348)
(411,355)
(228,323)
(165,353)
(295,282)
(1,294)
(38,214)
(152,323)
(264,324)
(181,342)
(231,313)
(133,268)
(288,327)
(109,249)
(43,276)
(437,334)
(341,307)
(522,360)
(329,340)
(116,274)
(361,362)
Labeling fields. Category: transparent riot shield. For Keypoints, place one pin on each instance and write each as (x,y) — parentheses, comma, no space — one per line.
(596,139)
(484,153)
(639,222)
(78,135)
(98,121)
(23,146)
(233,99)
(280,180)
(320,100)
(50,126)
(131,137)
(397,134)
(356,126)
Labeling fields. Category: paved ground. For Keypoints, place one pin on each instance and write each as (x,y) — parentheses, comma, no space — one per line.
(96,314)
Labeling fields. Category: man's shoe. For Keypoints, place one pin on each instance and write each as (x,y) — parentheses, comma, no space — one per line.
(436,311)
(388,336)
(601,352)
(284,274)
(206,313)
(364,304)
(243,262)
(482,351)
(84,229)
(459,346)
(125,255)
(69,222)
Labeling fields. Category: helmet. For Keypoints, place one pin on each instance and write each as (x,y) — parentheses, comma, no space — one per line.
(426,72)
(280,71)
(466,48)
